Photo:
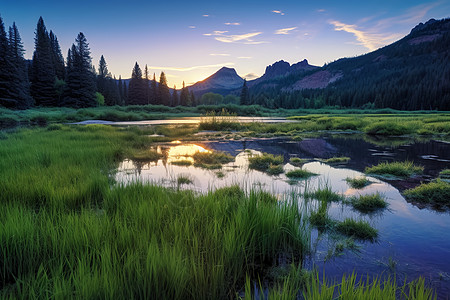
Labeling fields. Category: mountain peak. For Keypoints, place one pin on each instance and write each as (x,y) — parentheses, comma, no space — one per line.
(224,79)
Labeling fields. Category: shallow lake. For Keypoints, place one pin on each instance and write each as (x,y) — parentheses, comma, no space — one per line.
(413,240)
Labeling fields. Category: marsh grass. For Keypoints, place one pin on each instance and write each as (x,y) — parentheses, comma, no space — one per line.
(297,162)
(368,203)
(299,174)
(336,160)
(183,180)
(444,174)
(400,169)
(324,194)
(145,155)
(358,229)
(185,163)
(221,121)
(211,160)
(436,192)
(267,162)
(358,182)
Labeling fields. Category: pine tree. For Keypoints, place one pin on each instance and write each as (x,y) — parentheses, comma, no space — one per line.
(193,100)
(136,89)
(175,98)
(42,70)
(154,91)
(244,100)
(185,99)
(120,87)
(164,91)
(20,86)
(6,69)
(81,87)
(58,60)
(147,85)
(125,94)
(106,85)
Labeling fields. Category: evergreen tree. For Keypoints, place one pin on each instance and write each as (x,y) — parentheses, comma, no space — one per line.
(185,99)
(147,85)
(58,60)
(164,91)
(120,87)
(175,98)
(136,89)
(42,70)
(81,87)
(125,94)
(154,91)
(6,69)
(20,86)
(193,100)
(106,85)
(244,100)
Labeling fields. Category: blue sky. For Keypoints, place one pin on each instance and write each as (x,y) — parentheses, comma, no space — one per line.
(192,40)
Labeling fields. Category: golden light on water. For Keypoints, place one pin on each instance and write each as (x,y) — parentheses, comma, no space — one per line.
(184,152)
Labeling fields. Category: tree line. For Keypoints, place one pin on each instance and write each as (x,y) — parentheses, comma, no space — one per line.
(48,80)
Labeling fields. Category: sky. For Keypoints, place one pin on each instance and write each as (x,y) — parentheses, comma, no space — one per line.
(190,40)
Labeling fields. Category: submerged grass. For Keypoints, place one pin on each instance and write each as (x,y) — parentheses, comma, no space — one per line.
(358,182)
(298,162)
(336,160)
(211,160)
(299,174)
(399,169)
(267,162)
(359,229)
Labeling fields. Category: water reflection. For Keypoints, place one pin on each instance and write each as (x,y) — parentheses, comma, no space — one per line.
(415,239)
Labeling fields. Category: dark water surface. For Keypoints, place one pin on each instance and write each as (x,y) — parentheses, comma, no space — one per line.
(413,240)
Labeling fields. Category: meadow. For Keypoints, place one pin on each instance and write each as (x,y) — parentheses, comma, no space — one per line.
(69,230)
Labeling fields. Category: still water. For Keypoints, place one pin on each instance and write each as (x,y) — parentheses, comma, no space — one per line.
(413,240)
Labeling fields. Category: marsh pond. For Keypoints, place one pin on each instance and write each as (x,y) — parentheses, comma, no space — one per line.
(412,239)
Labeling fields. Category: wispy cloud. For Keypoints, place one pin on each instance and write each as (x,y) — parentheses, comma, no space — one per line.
(232,24)
(369,39)
(378,32)
(205,16)
(278,12)
(245,57)
(321,10)
(192,27)
(192,68)
(246,38)
(285,30)
(219,54)
(216,32)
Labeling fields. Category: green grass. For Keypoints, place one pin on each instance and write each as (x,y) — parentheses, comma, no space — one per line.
(358,229)
(222,121)
(400,169)
(368,203)
(211,160)
(183,180)
(336,160)
(445,174)
(185,163)
(68,231)
(145,155)
(265,161)
(324,194)
(298,162)
(436,192)
(299,174)
(358,182)
(275,169)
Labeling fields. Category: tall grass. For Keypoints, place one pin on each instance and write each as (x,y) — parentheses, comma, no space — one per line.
(436,192)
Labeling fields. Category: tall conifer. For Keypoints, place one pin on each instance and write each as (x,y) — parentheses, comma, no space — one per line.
(136,89)
(164,91)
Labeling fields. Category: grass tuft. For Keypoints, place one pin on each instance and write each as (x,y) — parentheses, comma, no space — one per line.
(299,174)
(184,163)
(436,192)
(336,160)
(368,203)
(266,162)
(211,160)
(358,182)
(298,162)
(400,169)
(358,229)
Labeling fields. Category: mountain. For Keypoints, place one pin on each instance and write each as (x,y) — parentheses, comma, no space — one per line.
(221,82)
(412,73)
